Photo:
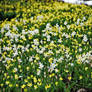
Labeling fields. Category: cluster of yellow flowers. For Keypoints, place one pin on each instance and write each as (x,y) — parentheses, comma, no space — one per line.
(46,46)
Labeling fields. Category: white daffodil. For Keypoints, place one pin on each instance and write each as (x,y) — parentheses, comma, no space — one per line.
(48,25)
(85,38)
(48,37)
(65,23)
(36,31)
(41,65)
(73,33)
(36,42)
(59,40)
(30,59)
(38,72)
(78,21)
(80,49)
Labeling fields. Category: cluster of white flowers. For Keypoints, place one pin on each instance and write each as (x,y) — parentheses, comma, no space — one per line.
(36,31)
(85,57)
(65,35)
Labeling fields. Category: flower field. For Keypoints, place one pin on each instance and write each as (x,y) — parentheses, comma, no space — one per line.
(45,46)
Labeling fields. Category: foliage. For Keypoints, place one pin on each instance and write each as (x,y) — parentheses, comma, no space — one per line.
(45,47)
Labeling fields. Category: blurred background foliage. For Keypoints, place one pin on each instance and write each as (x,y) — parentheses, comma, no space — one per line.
(9,8)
